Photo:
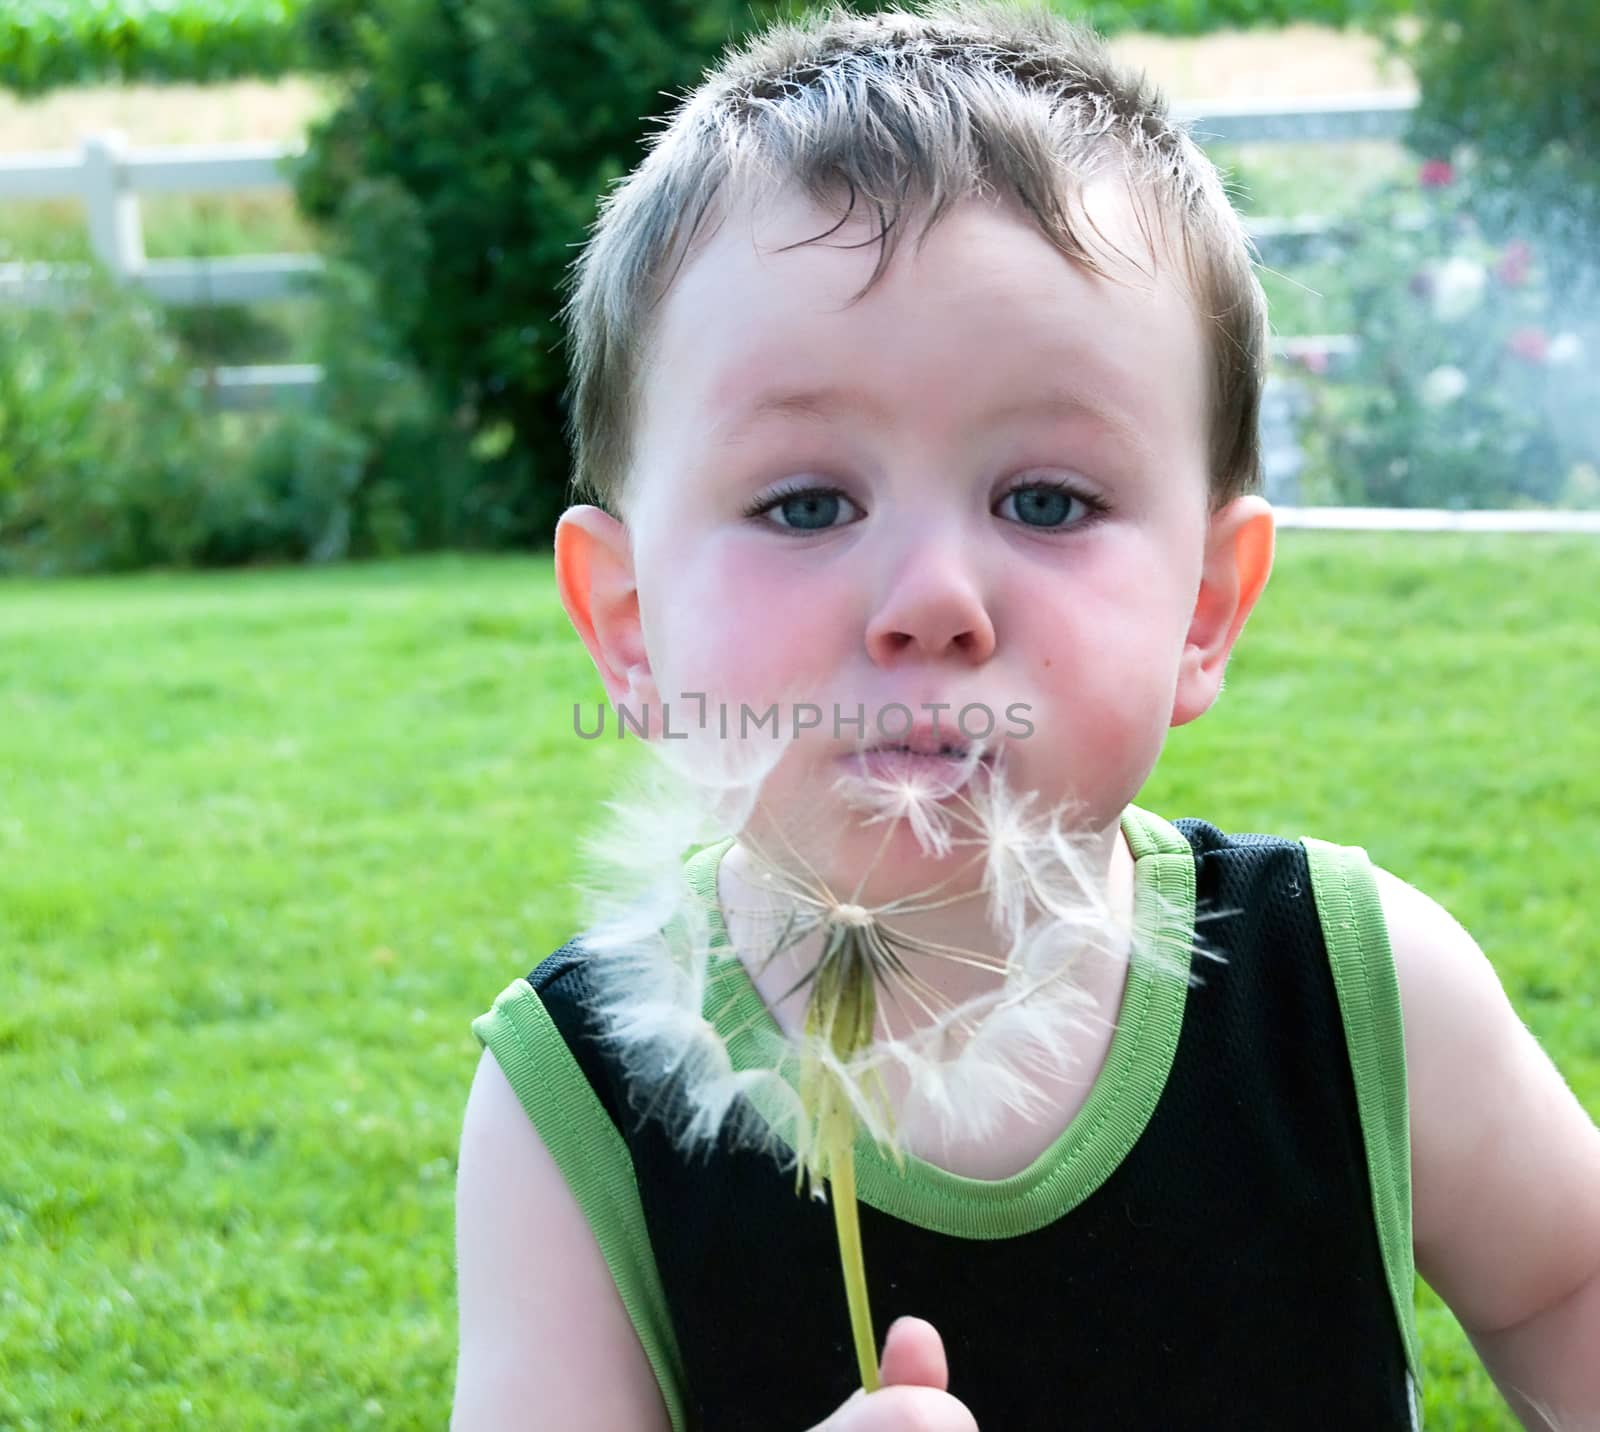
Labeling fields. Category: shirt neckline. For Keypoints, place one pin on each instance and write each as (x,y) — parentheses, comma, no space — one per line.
(1114,1114)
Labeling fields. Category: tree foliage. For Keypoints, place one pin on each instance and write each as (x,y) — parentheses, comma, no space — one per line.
(463,170)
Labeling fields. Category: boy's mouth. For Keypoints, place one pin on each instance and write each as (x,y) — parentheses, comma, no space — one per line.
(928,740)
(938,766)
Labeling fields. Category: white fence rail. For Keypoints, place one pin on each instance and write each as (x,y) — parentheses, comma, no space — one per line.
(1434,519)
(108,177)
(1326,120)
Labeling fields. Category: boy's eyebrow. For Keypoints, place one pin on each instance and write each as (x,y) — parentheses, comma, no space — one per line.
(832,400)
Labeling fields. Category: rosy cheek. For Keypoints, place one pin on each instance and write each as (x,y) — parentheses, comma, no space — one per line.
(752,628)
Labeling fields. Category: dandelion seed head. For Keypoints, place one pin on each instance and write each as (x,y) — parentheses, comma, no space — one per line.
(968,1035)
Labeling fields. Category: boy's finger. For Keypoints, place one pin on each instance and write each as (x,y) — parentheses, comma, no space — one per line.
(913,1355)
(894,1409)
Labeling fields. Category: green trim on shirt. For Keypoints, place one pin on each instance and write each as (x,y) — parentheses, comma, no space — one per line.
(594,1161)
(1357,937)
(1119,1104)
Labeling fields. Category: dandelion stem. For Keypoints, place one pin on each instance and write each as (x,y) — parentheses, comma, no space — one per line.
(846,1221)
(841,1013)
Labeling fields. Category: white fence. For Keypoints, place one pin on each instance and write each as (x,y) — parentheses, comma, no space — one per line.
(109,177)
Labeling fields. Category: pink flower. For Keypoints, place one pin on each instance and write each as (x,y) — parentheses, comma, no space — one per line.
(1313,360)
(1436,173)
(1529,344)
(1515,259)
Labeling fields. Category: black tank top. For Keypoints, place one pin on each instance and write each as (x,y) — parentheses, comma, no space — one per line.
(1206,1252)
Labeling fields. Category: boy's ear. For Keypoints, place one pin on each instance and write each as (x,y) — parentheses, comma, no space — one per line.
(594,574)
(1238,560)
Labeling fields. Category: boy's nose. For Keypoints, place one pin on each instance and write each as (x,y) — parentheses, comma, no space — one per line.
(933,608)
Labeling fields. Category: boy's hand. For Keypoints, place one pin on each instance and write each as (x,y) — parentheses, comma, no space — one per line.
(913,1396)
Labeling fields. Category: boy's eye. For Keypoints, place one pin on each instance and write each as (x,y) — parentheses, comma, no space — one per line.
(803,509)
(1045,505)
(1049,504)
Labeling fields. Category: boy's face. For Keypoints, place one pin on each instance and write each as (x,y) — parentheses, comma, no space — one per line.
(982,483)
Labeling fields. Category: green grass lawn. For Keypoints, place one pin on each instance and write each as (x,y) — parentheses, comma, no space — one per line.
(269,841)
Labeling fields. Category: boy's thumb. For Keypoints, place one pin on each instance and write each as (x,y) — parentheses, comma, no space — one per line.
(913,1356)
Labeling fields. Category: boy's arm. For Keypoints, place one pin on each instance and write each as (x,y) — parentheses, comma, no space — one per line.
(1505,1172)
(545,1338)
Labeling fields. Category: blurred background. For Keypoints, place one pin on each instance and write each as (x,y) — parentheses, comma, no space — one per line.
(278,278)
(286,794)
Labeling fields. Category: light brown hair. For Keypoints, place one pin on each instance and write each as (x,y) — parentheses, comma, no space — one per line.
(912,111)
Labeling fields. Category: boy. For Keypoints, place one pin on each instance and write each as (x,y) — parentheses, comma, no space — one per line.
(1004,459)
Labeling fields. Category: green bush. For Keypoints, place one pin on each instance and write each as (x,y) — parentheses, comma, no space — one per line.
(1475,293)
(461,172)
(371,466)
(105,446)
(112,455)
(1517,87)
(45,44)
(1471,386)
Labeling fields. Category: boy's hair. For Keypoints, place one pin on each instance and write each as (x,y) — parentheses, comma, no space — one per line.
(897,109)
